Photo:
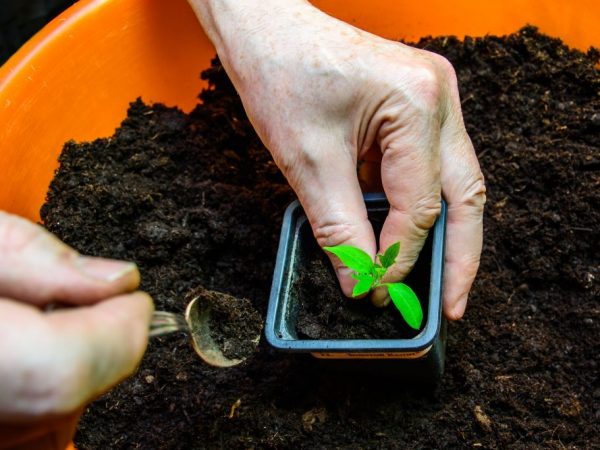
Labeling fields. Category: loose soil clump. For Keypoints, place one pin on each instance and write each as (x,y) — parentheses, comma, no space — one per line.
(195,199)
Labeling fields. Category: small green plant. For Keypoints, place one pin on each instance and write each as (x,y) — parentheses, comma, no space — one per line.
(370,274)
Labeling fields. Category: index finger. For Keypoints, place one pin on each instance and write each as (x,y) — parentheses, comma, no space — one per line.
(410,176)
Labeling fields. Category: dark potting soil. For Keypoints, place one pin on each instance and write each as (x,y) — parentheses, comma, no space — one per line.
(196,200)
(324,312)
(233,323)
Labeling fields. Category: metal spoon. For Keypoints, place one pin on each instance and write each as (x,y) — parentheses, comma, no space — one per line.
(195,321)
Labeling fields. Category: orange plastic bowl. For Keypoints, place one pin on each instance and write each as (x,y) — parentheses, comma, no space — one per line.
(75,78)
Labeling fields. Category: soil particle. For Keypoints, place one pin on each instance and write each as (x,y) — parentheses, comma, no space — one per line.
(196,200)
(482,418)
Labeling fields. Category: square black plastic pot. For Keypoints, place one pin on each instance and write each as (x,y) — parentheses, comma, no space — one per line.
(420,358)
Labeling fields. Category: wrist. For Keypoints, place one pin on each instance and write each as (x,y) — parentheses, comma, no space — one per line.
(241,29)
(228,21)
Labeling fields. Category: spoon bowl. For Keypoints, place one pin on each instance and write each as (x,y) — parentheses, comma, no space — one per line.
(199,315)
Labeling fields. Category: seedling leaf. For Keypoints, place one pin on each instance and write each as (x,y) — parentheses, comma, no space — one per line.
(352,257)
(408,304)
(389,256)
(363,286)
(370,274)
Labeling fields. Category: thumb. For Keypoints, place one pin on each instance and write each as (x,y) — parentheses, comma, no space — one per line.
(38,268)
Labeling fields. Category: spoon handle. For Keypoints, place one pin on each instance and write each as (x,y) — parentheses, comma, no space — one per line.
(165,322)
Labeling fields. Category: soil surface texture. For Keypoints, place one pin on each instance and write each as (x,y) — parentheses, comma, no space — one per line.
(196,200)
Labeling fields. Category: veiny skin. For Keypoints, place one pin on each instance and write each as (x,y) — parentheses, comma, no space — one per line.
(325,96)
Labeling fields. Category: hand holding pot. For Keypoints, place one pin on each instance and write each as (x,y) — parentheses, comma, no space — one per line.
(53,363)
(325,97)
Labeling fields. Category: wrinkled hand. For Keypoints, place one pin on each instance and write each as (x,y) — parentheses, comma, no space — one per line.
(325,96)
(53,363)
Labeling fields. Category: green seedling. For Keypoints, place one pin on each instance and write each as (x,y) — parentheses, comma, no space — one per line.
(370,274)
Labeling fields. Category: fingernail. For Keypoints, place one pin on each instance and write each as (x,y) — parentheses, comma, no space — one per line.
(344,272)
(103,269)
(380,297)
(345,279)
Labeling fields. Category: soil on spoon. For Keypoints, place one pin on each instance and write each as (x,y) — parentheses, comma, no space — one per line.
(233,324)
(195,199)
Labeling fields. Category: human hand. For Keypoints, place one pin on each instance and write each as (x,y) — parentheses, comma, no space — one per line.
(53,363)
(324,96)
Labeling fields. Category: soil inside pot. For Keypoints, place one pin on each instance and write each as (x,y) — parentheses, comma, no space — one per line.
(196,200)
(323,312)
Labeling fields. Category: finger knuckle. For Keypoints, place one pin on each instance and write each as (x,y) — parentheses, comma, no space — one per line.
(329,234)
(425,211)
(475,192)
(427,87)
(444,66)
(299,159)
(434,81)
